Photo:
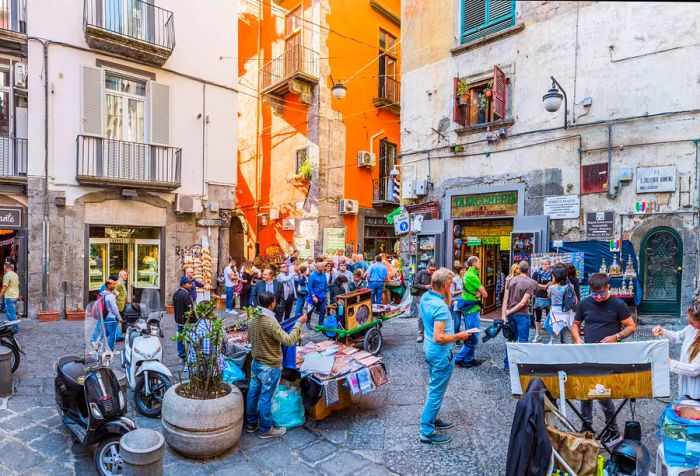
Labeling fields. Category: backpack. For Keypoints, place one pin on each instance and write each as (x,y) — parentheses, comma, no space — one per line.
(99,308)
(568,299)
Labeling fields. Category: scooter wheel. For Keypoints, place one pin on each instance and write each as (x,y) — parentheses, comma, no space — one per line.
(150,405)
(108,460)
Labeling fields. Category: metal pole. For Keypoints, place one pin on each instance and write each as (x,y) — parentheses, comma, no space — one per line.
(566,102)
(562,392)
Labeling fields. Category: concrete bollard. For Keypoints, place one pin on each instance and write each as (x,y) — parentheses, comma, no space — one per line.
(142,453)
(5,372)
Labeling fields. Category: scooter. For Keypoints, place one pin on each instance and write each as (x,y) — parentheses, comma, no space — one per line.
(7,339)
(141,358)
(92,404)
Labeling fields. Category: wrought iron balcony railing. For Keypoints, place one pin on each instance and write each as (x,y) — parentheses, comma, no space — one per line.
(13,16)
(132,28)
(298,62)
(121,163)
(13,158)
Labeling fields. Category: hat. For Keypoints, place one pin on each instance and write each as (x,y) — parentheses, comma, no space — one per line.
(184,280)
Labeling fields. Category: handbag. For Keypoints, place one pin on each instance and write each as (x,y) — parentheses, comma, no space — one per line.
(579,450)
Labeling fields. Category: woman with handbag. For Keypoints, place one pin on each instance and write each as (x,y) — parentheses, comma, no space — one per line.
(561,316)
(688,367)
(543,277)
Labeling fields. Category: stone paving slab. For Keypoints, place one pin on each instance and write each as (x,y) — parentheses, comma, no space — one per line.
(377,436)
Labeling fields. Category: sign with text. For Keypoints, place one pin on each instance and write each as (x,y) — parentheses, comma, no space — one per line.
(562,207)
(401,223)
(600,224)
(209,222)
(656,179)
(304,246)
(496,204)
(333,240)
(10,217)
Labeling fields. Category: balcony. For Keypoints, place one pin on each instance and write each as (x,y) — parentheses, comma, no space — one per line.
(130,28)
(13,27)
(107,162)
(384,192)
(13,160)
(388,94)
(296,70)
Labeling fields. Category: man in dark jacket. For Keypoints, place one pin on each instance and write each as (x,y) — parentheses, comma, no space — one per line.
(421,285)
(529,448)
(182,302)
(269,284)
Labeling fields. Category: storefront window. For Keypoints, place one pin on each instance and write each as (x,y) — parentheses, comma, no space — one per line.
(147,265)
(98,265)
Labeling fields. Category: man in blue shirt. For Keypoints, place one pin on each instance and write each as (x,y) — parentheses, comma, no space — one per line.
(376,275)
(317,288)
(439,338)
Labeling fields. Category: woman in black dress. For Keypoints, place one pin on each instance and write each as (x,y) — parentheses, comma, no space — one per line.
(247,280)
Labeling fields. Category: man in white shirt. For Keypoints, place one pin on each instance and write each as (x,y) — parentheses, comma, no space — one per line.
(286,277)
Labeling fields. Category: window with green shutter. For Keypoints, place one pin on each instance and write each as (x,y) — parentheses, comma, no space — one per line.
(480,18)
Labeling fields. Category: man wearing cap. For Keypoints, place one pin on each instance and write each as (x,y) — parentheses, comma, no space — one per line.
(182,302)
(470,307)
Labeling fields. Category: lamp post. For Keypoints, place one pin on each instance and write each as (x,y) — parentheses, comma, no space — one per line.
(339,90)
(553,99)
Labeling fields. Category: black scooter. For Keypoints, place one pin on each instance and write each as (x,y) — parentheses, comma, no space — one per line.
(7,339)
(92,405)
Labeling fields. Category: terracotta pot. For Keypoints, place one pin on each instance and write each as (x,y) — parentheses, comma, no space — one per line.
(202,428)
(463,99)
(169,309)
(75,315)
(488,92)
(48,316)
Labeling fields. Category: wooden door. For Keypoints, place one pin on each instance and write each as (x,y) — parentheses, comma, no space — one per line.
(661,267)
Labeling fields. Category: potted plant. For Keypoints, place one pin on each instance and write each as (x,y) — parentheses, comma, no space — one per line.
(305,172)
(463,92)
(48,316)
(77,314)
(203,417)
(489,89)
(169,308)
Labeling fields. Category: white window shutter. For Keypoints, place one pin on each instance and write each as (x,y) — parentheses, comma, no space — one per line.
(159,101)
(92,97)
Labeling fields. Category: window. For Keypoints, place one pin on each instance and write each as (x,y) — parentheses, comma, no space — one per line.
(483,17)
(388,85)
(387,160)
(130,18)
(594,178)
(482,101)
(5,106)
(292,42)
(125,103)
(301,156)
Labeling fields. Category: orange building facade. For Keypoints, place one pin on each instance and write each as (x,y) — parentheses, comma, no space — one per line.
(314,170)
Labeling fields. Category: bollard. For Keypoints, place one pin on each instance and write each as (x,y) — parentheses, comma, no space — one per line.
(142,453)
(5,371)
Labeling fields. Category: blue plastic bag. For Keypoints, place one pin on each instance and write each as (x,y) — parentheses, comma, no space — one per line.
(287,407)
(332,322)
(680,436)
(232,372)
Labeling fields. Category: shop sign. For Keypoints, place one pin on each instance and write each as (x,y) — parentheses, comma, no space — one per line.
(401,223)
(473,241)
(288,224)
(10,217)
(494,204)
(562,207)
(600,224)
(428,208)
(210,222)
(656,179)
(333,240)
(305,247)
(504,244)
(376,221)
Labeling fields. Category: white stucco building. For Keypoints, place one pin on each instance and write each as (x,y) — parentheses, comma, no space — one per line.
(131,122)
(496,162)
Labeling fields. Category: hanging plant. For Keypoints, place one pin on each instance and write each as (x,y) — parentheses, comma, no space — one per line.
(463,92)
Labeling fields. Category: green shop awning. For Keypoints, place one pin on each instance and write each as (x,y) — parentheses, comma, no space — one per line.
(390,216)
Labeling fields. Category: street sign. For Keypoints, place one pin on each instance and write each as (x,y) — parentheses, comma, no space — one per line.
(600,224)
(656,179)
(558,243)
(11,217)
(210,222)
(401,223)
(562,207)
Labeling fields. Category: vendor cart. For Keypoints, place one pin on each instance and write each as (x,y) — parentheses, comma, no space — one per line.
(359,322)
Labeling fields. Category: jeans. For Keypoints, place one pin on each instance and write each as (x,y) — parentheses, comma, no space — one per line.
(377,288)
(440,367)
(319,307)
(468,351)
(608,410)
(522,332)
(180,345)
(287,307)
(261,391)
(564,336)
(11,312)
(415,312)
(111,332)
(229,298)
(457,318)
(299,306)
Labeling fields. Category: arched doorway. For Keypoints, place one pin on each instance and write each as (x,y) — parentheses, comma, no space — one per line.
(237,237)
(661,266)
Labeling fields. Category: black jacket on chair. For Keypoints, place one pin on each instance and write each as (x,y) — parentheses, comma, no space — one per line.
(259,288)
(529,448)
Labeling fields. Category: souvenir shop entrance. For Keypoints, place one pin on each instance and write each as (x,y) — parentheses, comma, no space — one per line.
(13,248)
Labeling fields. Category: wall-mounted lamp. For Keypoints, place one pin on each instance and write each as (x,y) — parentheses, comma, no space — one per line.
(553,99)
(339,90)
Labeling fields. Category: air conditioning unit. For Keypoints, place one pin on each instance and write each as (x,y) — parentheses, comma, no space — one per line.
(20,76)
(349,207)
(366,159)
(408,189)
(188,204)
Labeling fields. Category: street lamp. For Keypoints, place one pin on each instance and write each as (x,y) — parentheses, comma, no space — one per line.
(339,90)
(553,99)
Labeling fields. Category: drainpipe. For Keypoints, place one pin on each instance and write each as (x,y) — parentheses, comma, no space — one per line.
(371,140)
(612,190)
(45,256)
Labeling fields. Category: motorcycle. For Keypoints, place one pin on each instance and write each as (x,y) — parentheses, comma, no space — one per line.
(141,358)
(7,339)
(90,401)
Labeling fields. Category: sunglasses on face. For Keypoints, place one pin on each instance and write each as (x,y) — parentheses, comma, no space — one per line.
(598,293)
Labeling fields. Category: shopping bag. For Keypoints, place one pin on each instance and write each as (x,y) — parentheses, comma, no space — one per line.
(232,372)
(287,407)
(332,322)
(680,436)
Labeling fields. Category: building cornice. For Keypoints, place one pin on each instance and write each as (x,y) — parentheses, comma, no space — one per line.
(385,12)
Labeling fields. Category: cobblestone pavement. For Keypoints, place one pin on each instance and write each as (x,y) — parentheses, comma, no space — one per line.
(379,435)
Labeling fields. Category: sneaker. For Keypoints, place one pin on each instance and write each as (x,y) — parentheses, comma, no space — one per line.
(419,339)
(610,437)
(443,425)
(538,338)
(273,432)
(251,428)
(435,439)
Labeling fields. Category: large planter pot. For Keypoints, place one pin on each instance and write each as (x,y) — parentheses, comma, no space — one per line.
(75,315)
(169,309)
(202,428)
(47,316)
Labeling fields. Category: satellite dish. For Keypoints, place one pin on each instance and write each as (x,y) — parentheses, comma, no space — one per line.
(443,125)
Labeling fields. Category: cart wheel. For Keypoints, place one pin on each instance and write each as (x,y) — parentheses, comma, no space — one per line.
(373,341)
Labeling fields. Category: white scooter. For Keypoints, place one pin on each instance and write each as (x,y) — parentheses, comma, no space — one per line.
(141,357)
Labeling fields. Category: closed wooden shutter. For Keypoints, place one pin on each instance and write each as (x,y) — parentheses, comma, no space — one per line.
(499,93)
(594,178)
(458,112)
(481,18)
(159,100)
(499,8)
(473,14)
(92,101)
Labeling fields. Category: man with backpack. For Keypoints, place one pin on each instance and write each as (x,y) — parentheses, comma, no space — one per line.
(106,307)
(470,306)
(561,313)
